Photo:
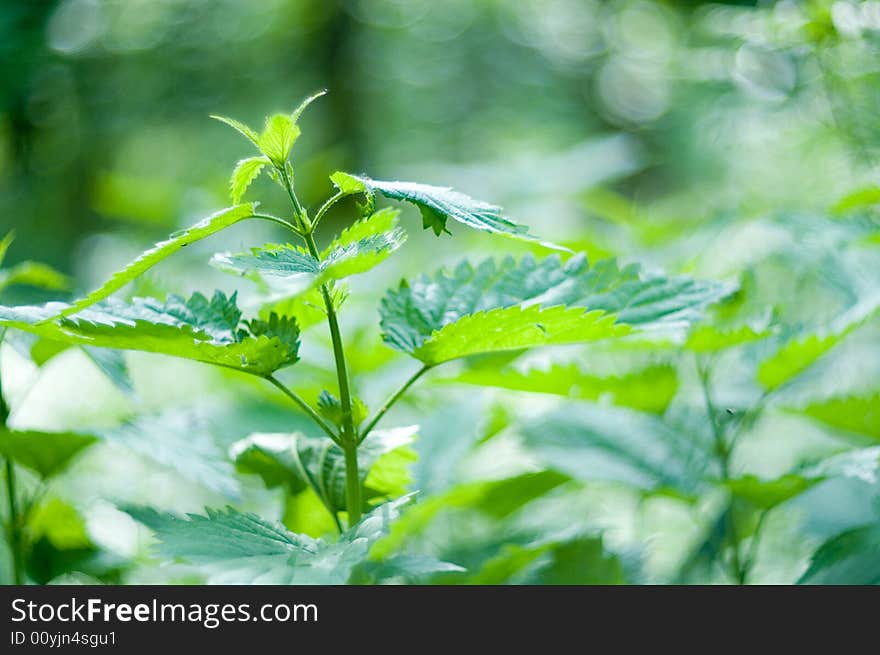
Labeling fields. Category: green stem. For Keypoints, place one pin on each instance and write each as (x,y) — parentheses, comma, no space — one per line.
(753,547)
(276,219)
(348,439)
(304,406)
(393,398)
(14,527)
(326,207)
(723,453)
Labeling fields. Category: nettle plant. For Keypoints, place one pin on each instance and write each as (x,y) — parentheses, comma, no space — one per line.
(472,309)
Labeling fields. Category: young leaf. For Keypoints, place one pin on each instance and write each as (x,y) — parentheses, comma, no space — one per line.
(437,204)
(348,184)
(277,138)
(591,442)
(240,127)
(10,237)
(500,304)
(46,453)
(650,389)
(298,460)
(852,557)
(34,274)
(204,228)
(246,171)
(359,248)
(198,328)
(330,407)
(801,352)
(238,548)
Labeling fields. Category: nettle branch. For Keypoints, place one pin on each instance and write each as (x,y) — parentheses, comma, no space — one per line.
(472,309)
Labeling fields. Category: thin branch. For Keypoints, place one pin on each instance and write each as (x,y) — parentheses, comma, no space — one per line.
(304,406)
(277,219)
(393,398)
(327,206)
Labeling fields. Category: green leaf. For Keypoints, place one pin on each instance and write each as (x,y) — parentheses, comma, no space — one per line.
(498,306)
(34,274)
(330,407)
(579,561)
(183,442)
(246,171)
(205,330)
(236,548)
(852,557)
(204,228)
(650,389)
(495,498)
(277,138)
(359,248)
(800,353)
(10,237)
(59,523)
(767,494)
(859,414)
(298,460)
(710,338)
(438,204)
(861,464)
(305,103)
(347,184)
(592,442)
(514,328)
(45,453)
(241,128)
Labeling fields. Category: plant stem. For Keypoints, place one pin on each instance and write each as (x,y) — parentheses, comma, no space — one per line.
(723,453)
(326,207)
(14,527)
(276,219)
(393,398)
(348,439)
(304,406)
(753,547)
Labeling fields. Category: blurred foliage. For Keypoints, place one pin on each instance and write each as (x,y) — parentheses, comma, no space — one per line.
(731,141)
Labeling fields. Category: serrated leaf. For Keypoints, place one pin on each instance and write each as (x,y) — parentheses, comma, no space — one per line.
(181,441)
(860,464)
(204,228)
(241,128)
(859,414)
(245,172)
(347,184)
(592,442)
(298,460)
(710,338)
(330,407)
(236,548)
(45,453)
(204,330)
(34,274)
(420,317)
(852,557)
(305,103)
(438,204)
(515,328)
(359,248)
(277,138)
(650,389)
(803,351)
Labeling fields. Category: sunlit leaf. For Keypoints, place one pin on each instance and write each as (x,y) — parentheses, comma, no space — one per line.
(205,330)
(205,228)
(245,172)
